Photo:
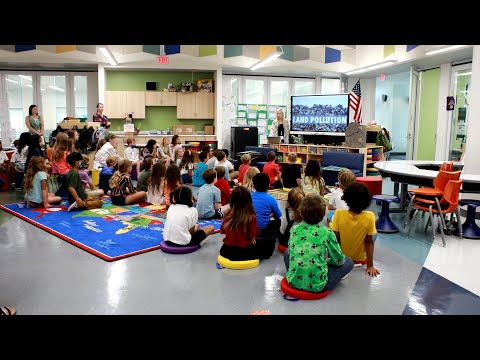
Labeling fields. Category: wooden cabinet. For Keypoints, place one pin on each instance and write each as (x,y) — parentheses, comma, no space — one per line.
(120,103)
(115,104)
(160,98)
(198,105)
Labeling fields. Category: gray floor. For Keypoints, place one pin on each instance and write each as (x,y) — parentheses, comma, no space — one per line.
(42,274)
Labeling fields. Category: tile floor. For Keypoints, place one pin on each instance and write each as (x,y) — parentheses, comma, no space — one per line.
(42,274)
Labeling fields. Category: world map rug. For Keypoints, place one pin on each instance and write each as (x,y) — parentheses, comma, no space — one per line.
(110,232)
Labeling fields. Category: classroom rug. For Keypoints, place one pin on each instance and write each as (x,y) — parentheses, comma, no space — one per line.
(280,194)
(110,232)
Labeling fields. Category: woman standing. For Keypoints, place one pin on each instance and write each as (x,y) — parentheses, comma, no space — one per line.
(99,117)
(34,122)
(280,127)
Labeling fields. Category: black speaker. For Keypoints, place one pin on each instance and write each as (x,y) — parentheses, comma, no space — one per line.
(151,85)
(242,136)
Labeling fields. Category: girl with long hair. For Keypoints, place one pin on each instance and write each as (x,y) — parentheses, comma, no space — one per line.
(248,178)
(240,228)
(173,180)
(156,184)
(36,185)
(186,166)
(313,181)
(34,121)
(150,149)
(292,213)
(35,149)
(123,191)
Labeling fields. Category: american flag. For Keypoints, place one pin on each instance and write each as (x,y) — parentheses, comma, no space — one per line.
(356,102)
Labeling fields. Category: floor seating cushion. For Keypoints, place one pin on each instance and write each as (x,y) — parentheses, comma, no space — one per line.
(334,161)
(238,265)
(178,249)
(288,290)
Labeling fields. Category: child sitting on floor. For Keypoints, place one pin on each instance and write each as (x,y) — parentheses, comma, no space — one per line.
(248,178)
(173,180)
(186,167)
(88,185)
(246,160)
(223,185)
(355,228)
(156,184)
(123,191)
(291,173)
(145,174)
(292,213)
(106,173)
(181,228)
(272,169)
(77,197)
(209,203)
(314,260)
(199,169)
(345,178)
(313,181)
(265,205)
(36,185)
(133,154)
(240,229)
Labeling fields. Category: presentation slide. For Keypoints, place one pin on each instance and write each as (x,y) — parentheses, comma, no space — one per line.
(320,113)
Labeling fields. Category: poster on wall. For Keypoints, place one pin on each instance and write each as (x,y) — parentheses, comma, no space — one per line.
(450,103)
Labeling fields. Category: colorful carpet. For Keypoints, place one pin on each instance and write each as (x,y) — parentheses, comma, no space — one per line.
(280,194)
(111,232)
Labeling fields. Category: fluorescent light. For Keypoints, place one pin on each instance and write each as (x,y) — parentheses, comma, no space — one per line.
(12,81)
(25,77)
(108,55)
(28,85)
(56,88)
(266,60)
(465,74)
(372,67)
(447,48)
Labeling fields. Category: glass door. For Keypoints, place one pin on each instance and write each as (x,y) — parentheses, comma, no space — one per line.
(461,76)
(54,99)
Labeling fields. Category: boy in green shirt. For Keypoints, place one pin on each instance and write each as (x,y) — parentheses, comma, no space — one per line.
(314,259)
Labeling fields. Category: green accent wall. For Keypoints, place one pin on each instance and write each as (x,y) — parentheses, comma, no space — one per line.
(427,122)
(156,117)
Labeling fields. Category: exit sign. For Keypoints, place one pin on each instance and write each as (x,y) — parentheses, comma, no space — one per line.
(163,60)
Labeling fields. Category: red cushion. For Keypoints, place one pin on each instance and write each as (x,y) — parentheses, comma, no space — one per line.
(282,248)
(363,262)
(301,294)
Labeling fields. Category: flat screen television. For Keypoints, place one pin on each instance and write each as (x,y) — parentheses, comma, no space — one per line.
(319,114)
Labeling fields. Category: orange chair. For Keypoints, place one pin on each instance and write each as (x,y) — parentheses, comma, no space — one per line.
(446,205)
(428,193)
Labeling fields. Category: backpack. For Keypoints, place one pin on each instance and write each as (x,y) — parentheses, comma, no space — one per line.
(382,140)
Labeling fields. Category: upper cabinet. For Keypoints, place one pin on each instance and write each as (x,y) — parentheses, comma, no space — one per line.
(120,103)
(160,98)
(196,105)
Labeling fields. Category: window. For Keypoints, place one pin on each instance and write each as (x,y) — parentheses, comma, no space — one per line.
(80,94)
(54,99)
(330,86)
(279,92)
(20,97)
(303,87)
(255,91)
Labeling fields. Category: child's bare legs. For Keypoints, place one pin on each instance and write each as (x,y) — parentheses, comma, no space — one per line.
(225,209)
(208,230)
(52,199)
(96,192)
(135,198)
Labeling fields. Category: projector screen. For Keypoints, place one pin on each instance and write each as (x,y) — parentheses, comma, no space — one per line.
(319,114)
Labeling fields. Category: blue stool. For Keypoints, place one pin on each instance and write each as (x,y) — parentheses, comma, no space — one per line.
(384,224)
(469,227)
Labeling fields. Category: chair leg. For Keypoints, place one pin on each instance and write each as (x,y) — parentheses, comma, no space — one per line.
(407,216)
(441,214)
(459,222)
(441,230)
(426,224)
(432,221)
(412,222)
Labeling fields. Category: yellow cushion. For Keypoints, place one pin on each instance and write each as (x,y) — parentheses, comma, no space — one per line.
(287,189)
(247,264)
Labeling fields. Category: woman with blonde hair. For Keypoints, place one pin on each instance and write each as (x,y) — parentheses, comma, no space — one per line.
(248,178)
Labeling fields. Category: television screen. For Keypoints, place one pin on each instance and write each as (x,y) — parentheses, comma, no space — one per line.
(319,114)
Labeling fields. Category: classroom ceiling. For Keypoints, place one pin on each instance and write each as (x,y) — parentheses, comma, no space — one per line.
(305,60)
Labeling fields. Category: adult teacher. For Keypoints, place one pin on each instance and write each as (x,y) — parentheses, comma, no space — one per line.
(34,122)
(100,117)
(280,127)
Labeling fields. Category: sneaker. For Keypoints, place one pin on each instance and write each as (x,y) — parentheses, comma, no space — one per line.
(343,278)
(73,206)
